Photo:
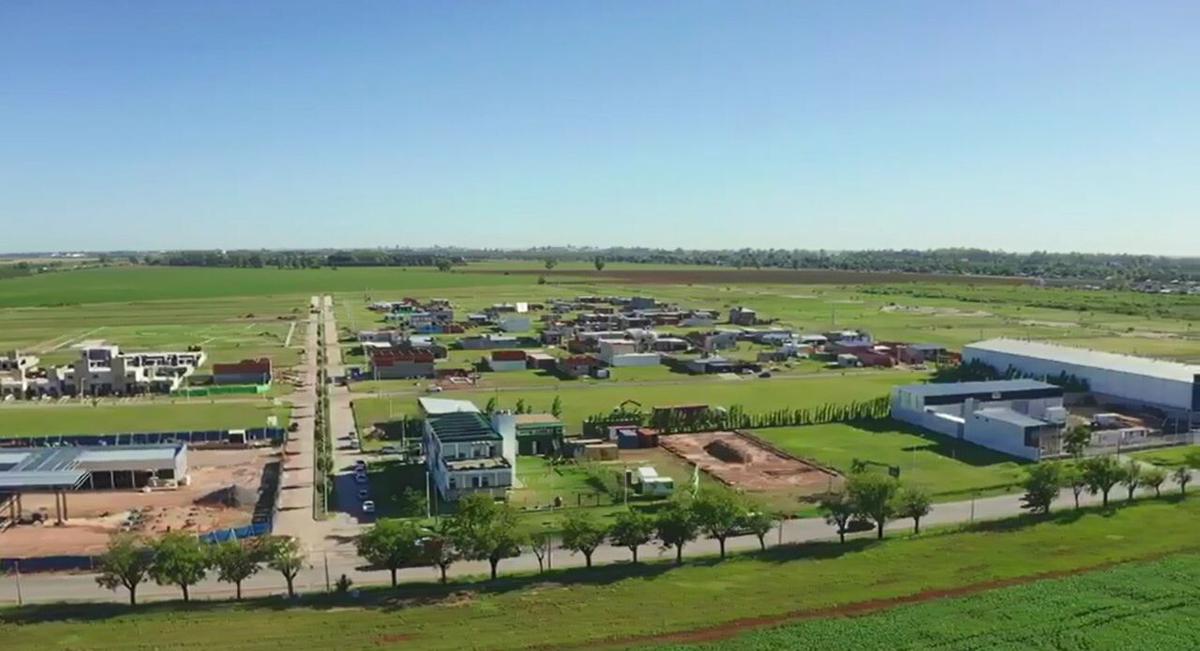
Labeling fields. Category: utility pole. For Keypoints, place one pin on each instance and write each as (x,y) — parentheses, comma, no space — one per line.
(327,586)
(17,567)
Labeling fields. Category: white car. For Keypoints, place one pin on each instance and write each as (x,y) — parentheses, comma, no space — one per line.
(368,506)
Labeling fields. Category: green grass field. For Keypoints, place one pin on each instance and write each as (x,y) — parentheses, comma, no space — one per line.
(158,417)
(1150,605)
(945,467)
(128,283)
(581,400)
(581,608)
(1167,457)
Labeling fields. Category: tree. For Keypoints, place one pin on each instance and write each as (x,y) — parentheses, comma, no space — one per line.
(838,510)
(717,513)
(913,503)
(540,543)
(1154,478)
(1076,440)
(285,556)
(556,407)
(484,529)
(675,527)
(1182,476)
(391,544)
(1101,474)
(179,559)
(410,502)
(1041,484)
(759,523)
(1132,477)
(235,562)
(582,533)
(439,550)
(631,530)
(550,263)
(490,406)
(599,263)
(125,563)
(1072,475)
(443,265)
(874,497)
(521,406)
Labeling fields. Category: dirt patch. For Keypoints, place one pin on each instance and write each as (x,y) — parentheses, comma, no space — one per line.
(933,311)
(1049,324)
(738,461)
(738,626)
(753,276)
(222,493)
(1150,334)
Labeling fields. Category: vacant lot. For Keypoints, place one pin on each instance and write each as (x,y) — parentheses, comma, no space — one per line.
(1167,457)
(582,400)
(946,467)
(614,603)
(1143,606)
(41,420)
(743,464)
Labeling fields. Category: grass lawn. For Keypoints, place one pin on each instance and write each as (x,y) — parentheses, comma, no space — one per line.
(1167,457)
(582,400)
(149,417)
(1151,605)
(944,466)
(618,601)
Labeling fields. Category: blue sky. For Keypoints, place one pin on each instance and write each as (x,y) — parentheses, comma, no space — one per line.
(1014,125)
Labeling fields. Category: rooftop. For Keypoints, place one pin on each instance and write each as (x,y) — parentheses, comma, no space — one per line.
(439,406)
(67,467)
(537,419)
(462,426)
(1091,358)
(1009,416)
(968,388)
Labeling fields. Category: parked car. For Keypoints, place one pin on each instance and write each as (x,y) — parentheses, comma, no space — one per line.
(363,494)
(293,426)
(368,506)
(360,477)
(390,449)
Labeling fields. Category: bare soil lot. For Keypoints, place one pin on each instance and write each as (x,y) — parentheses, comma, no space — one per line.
(204,505)
(740,462)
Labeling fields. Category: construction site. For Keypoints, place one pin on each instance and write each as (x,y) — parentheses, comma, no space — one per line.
(745,462)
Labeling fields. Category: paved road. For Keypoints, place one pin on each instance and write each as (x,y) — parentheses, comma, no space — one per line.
(295,517)
(340,557)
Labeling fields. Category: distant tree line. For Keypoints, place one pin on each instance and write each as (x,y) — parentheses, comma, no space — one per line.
(1111,269)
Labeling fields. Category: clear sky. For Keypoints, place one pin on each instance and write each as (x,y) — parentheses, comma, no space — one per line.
(1020,125)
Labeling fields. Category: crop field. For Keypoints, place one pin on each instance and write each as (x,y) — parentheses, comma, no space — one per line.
(658,604)
(1143,606)
(40,420)
(127,283)
(582,400)
(946,467)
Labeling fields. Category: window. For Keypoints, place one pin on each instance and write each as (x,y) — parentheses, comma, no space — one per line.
(475,482)
(453,483)
(485,481)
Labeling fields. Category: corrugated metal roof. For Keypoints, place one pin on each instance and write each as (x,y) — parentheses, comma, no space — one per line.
(438,406)
(1009,416)
(968,388)
(1090,358)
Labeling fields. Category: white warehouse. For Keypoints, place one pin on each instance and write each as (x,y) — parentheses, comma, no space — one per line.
(1170,386)
(1023,418)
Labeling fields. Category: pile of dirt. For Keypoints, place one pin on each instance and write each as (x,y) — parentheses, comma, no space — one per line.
(726,452)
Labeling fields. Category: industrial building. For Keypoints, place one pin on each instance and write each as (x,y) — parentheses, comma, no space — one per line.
(62,469)
(1023,418)
(1171,387)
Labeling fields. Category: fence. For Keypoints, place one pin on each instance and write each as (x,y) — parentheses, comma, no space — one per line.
(1120,446)
(223,390)
(273,435)
(237,533)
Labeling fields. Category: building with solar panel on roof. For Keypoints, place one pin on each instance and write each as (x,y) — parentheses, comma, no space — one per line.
(60,470)
(467,452)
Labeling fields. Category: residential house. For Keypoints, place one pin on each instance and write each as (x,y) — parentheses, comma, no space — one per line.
(466,454)
(506,360)
(577,366)
(743,316)
(487,342)
(539,434)
(714,340)
(515,324)
(395,364)
(247,371)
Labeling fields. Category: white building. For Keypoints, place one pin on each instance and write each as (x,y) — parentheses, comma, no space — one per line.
(99,371)
(1122,379)
(515,324)
(466,453)
(1023,418)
